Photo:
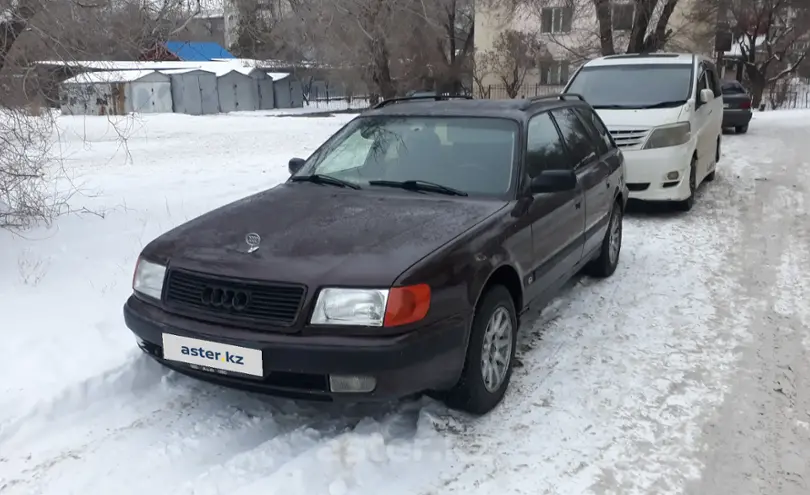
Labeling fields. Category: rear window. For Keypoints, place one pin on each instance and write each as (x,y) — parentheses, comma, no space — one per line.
(732,88)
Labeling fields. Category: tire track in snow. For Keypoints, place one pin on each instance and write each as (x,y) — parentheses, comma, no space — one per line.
(617,374)
(758,441)
(200,438)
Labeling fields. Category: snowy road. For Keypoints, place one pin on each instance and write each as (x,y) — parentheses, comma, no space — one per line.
(687,372)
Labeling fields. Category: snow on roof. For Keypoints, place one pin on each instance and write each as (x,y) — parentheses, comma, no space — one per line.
(744,42)
(178,71)
(277,76)
(220,68)
(116,76)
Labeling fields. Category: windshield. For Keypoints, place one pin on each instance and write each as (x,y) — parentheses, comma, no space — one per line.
(634,86)
(473,155)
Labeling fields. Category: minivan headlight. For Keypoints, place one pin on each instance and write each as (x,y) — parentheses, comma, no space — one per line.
(148,278)
(371,307)
(669,135)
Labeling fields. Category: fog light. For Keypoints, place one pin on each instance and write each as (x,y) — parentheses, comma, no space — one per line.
(352,384)
(673,176)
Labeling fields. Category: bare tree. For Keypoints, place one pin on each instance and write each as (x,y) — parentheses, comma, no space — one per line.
(769,33)
(66,31)
(513,54)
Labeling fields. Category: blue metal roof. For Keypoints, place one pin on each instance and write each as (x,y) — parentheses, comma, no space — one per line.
(194,51)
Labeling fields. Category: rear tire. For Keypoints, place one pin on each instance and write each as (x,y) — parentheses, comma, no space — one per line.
(741,129)
(494,327)
(608,260)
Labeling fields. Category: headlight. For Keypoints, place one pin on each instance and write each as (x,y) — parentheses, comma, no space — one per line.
(148,278)
(669,135)
(371,307)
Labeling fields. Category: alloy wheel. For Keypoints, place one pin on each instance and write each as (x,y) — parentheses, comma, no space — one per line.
(497,349)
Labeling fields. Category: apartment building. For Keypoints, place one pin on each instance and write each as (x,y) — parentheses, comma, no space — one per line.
(569,32)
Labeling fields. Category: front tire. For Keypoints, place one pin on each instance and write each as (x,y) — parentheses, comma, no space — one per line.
(741,129)
(688,203)
(713,174)
(490,354)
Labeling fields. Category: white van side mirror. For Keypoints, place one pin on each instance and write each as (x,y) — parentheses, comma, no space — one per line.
(706,95)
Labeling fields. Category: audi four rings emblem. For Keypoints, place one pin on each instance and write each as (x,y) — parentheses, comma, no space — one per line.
(253,240)
(220,298)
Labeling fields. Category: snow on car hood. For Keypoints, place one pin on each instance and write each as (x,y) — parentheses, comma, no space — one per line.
(316,234)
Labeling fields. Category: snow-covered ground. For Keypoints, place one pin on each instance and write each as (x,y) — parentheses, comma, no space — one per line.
(687,372)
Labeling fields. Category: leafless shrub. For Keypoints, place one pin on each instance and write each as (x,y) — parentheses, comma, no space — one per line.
(514,53)
(34,187)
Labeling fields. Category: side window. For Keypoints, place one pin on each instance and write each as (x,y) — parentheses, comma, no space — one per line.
(575,136)
(597,129)
(544,149)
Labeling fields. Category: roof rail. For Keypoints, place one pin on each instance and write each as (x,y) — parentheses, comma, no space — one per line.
(418,98)
(561,96)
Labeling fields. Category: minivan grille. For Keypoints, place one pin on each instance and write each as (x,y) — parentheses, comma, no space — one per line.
(233,300)
(629,138)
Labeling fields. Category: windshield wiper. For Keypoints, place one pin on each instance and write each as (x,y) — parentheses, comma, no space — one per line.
(612,106)
(664,104)
(324,179)
(418,185)
(660,104)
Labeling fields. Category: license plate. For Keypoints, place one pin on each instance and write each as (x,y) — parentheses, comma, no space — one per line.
(725,105)
(212,355)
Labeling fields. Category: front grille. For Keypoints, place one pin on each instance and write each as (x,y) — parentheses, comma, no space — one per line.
(629,138)
(233,300)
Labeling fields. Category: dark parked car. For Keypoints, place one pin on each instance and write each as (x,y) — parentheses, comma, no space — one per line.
(736,106)
(397,259)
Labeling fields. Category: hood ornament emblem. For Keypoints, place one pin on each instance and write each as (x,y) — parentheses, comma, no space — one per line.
(253,240)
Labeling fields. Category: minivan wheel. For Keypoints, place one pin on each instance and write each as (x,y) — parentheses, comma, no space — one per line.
(689,202)
(607,261)
(490,354)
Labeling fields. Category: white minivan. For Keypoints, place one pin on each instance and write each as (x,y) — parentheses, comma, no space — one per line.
(665,112)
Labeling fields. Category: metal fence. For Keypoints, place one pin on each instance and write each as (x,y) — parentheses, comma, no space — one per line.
(501,92)
(796,97)
(789,100)
(334,101)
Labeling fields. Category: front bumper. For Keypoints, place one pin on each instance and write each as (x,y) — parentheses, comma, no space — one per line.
(299,366)
(647,173)
(736,118)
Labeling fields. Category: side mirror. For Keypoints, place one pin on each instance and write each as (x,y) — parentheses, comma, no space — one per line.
(706,95)
(553,181)
(295,165)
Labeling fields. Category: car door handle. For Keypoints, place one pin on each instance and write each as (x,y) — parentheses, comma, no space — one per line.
(578,205)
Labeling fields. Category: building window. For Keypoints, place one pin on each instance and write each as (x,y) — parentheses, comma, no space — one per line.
(556,20)
(622,15)
(554,73)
